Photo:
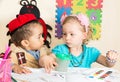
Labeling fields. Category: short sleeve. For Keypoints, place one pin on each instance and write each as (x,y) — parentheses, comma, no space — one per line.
(95,53)
(63,49)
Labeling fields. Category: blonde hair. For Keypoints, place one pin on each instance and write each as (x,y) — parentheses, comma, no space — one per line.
(83,21)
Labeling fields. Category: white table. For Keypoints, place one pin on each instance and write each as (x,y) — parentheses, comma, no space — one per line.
(73,75)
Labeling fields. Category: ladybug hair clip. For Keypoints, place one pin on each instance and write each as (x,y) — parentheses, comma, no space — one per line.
(31,7)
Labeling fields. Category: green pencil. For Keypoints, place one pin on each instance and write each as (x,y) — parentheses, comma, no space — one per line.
(14,80)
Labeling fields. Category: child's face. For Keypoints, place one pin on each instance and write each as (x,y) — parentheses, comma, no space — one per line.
(36,41)
(72,34)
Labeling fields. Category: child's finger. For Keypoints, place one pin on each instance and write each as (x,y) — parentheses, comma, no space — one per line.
(47,68)
(112,54)
(26,71)
(55,64)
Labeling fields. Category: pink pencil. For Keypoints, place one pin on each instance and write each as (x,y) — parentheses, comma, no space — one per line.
(7,52)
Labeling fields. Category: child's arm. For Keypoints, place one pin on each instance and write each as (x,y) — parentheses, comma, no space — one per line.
(48,62)
(20,69)
(109,60)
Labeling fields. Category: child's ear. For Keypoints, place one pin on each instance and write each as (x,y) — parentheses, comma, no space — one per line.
(84,35)
(25,43)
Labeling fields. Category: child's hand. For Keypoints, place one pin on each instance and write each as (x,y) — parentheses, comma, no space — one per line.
(49,63)
(112,56)
(20,69)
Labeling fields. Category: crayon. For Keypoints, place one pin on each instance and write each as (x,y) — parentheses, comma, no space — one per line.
(106,74)
(98,72)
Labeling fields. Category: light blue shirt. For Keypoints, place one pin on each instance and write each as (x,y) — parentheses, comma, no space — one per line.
(35,54)
(85,59)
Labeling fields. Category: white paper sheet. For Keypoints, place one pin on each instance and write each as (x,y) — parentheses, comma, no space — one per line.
(73,75)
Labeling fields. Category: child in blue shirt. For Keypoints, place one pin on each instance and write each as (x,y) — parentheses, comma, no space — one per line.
(76,33)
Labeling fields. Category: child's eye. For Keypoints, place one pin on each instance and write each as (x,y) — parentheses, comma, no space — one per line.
(39,37)
(63,34)
(42,35)
(72,34)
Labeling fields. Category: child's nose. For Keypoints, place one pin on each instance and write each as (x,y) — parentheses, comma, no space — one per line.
(67,37)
